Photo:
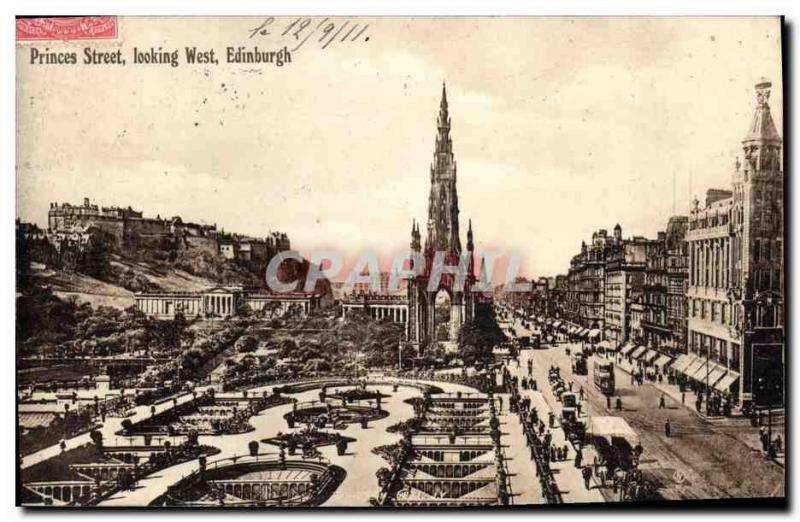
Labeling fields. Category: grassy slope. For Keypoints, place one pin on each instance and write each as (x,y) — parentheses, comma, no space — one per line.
(96,292)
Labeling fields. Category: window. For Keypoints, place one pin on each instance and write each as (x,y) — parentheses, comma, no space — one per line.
(734,362)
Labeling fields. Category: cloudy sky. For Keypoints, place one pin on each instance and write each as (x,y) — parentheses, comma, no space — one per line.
(560,126)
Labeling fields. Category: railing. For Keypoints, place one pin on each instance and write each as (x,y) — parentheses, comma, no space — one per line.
(444,440)
(319,464)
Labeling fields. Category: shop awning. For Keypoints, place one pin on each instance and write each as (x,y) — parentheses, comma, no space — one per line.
(594,334)
(724,385)
(638,352)
(605,345)
(610,427)
(682,362)
(650,356)
(627,348)
(717,372)
(696,364)
(663,361)
(700,373)
(556,324)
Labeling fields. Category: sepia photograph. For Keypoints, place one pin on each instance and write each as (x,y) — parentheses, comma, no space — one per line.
(399,262)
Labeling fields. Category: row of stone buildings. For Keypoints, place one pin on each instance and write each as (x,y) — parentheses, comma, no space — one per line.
(129,230)
(710,287)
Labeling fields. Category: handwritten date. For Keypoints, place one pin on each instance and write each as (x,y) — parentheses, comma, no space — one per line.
(324,32)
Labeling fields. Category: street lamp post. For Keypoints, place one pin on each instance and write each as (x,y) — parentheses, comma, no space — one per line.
(400,354)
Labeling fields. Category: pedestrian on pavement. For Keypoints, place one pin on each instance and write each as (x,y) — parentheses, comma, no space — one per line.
(587,476)
(683,397)
(581,393)
(608,402)
(578,458)
(601,475)
(551,419)
(772,454)
(662,402)
(668,428)
(762,433)
(619,404)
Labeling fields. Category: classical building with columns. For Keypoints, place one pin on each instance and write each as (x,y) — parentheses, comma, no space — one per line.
(736,275)
(390,307)
(225,301)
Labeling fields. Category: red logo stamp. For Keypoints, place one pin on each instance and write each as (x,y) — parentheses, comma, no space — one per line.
(67,28)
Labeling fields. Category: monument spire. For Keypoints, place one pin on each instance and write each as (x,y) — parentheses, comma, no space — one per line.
(443,230)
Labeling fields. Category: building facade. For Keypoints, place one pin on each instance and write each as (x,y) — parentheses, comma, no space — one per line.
(736,269)
(666,283)
(226,301)
(625,275)
(586,280)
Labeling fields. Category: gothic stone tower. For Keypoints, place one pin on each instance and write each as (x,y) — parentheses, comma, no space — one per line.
(442,236)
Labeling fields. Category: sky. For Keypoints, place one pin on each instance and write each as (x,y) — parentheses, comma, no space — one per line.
(560,127)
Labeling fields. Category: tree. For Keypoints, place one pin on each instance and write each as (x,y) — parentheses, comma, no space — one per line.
(246,343)
(478,337)
(253,447)
(97,254)
(97,438)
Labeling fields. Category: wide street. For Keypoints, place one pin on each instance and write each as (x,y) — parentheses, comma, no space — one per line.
(704,458)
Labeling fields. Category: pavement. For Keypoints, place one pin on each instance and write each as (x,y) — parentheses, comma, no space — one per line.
(688,398)
(525,489)
(567,476)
